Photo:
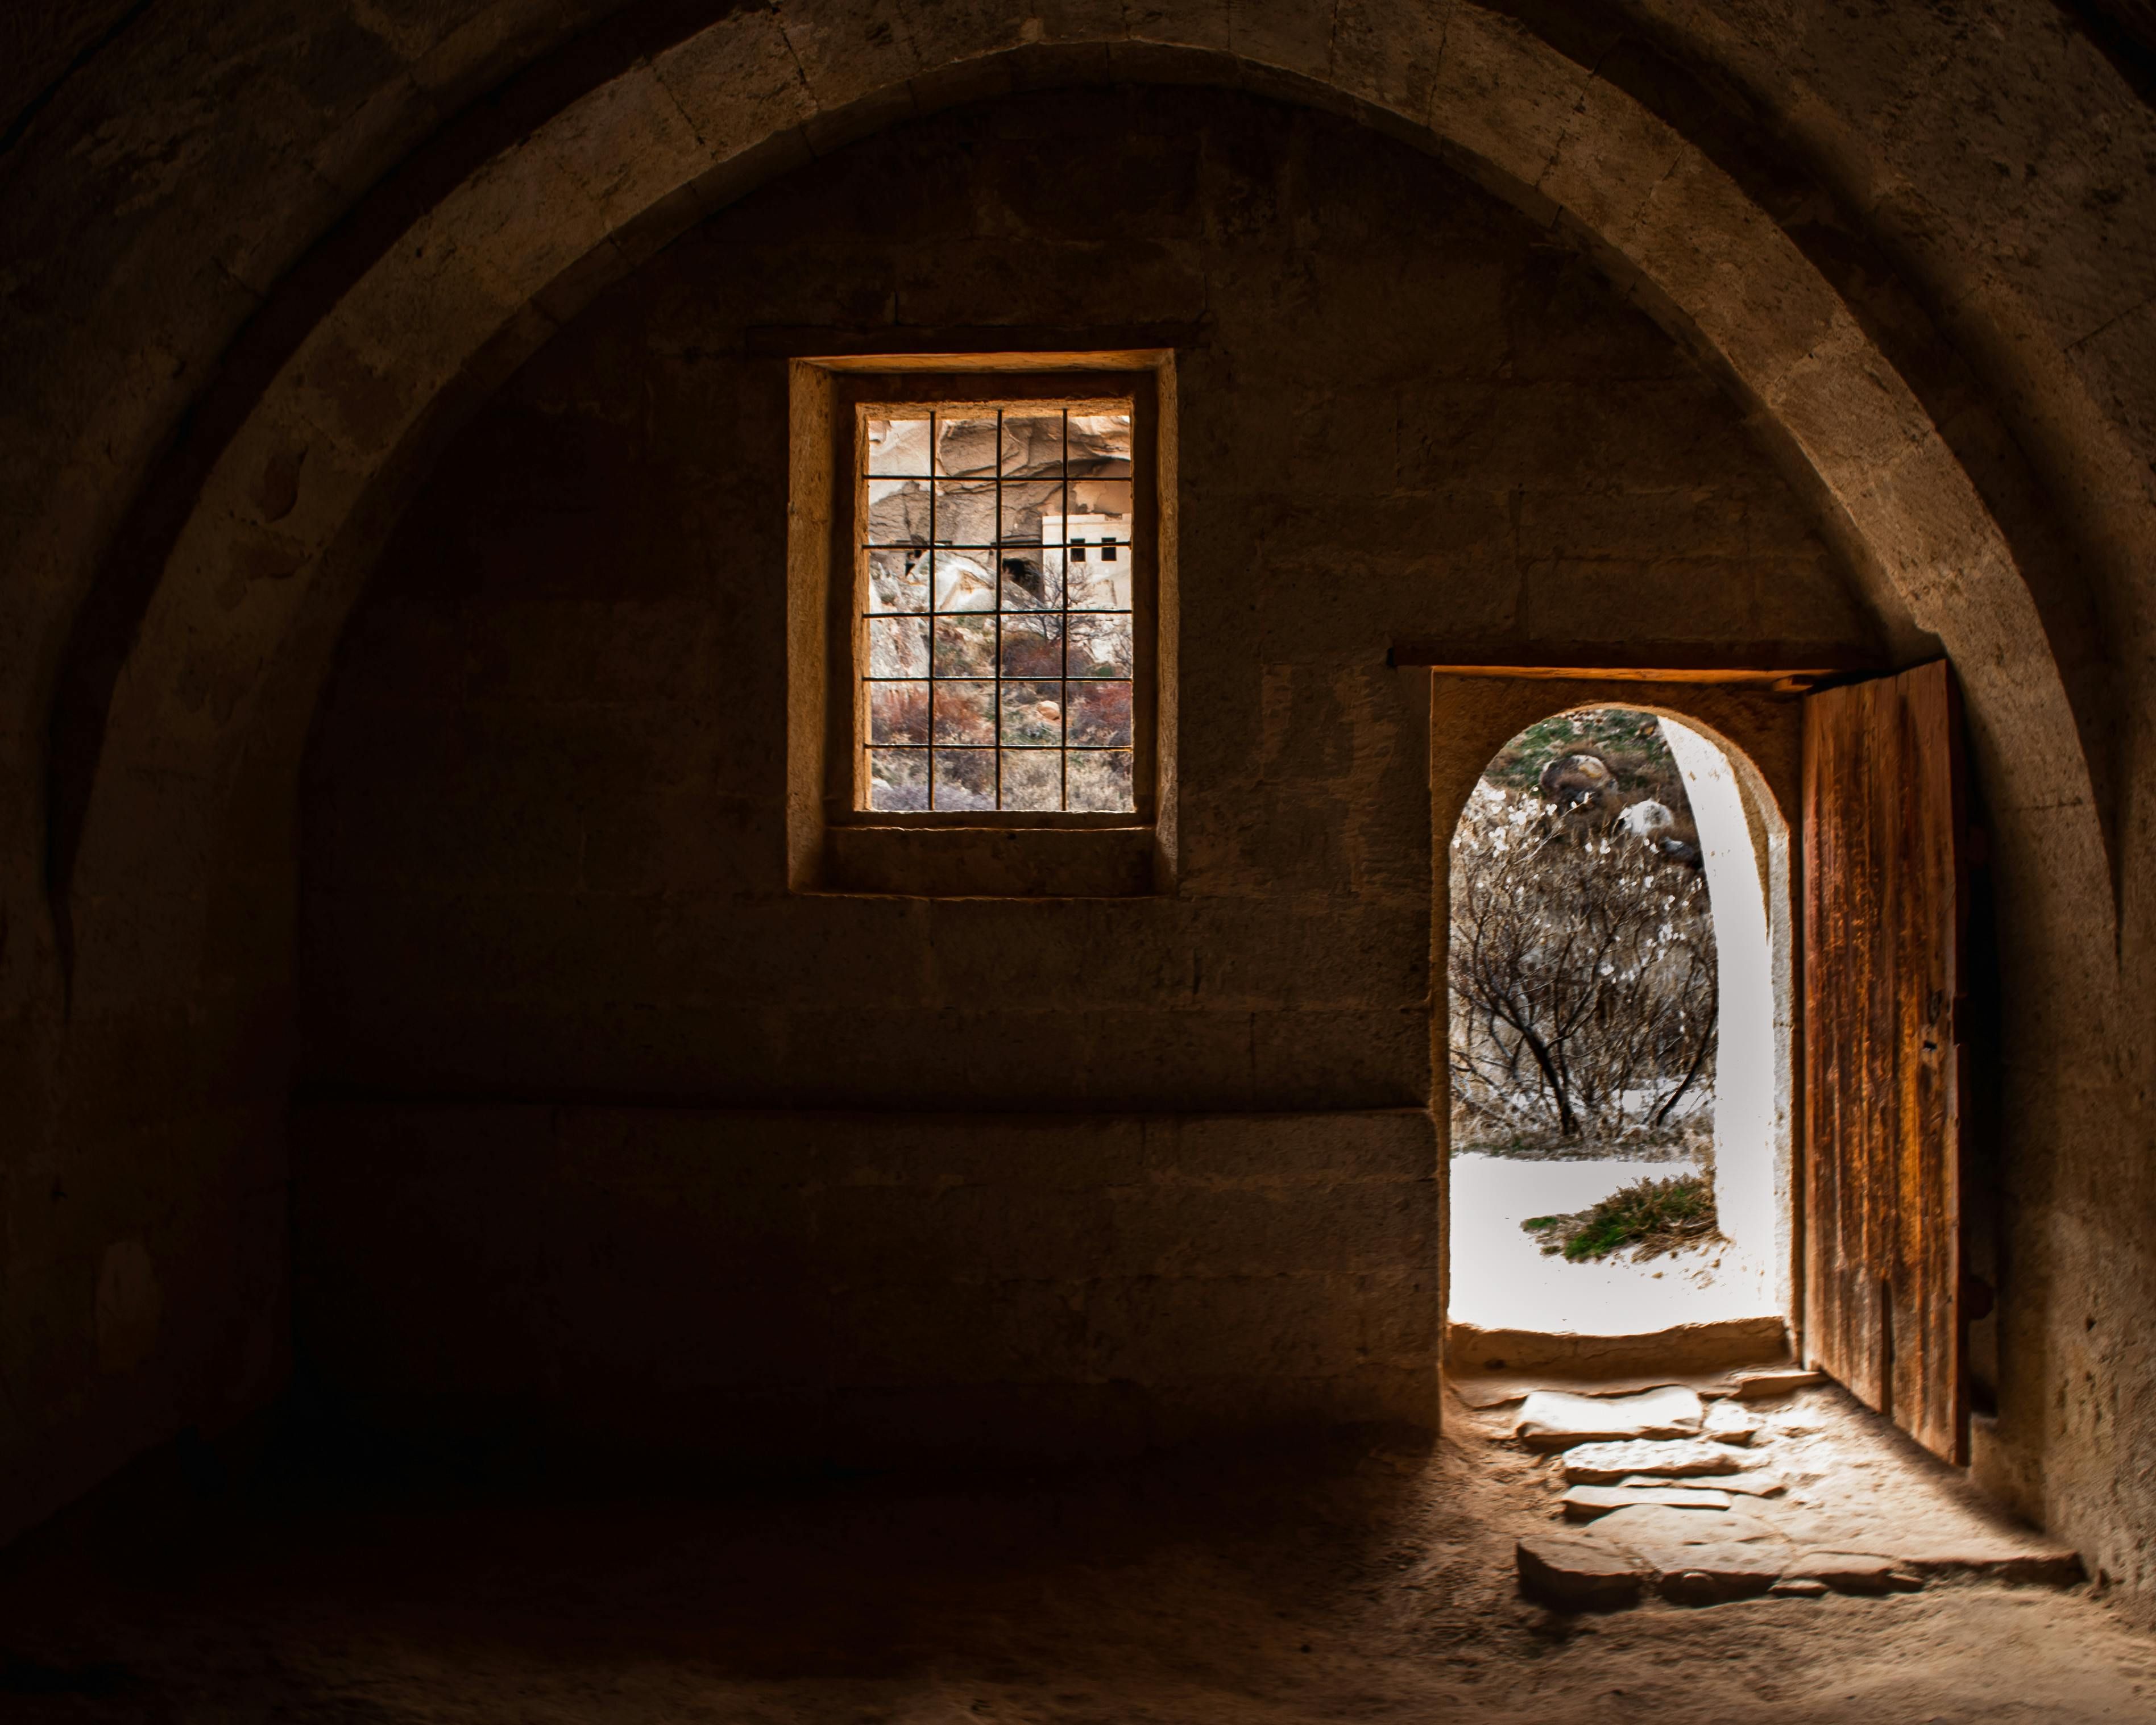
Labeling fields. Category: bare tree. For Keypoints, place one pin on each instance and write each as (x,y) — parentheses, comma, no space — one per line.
(1583,977)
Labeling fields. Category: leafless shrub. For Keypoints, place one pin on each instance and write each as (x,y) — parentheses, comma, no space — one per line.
(1583,981)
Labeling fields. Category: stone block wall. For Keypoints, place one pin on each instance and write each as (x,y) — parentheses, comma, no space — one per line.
(808,1286)
(182,204)
(543,851)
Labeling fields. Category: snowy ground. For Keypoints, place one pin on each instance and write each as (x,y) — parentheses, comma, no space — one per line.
(1500,1281)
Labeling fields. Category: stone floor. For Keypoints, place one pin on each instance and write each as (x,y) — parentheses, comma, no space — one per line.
(1502,1281)
(1315,1584)
(1797,1476)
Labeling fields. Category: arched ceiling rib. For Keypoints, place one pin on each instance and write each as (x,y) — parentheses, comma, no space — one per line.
(642,151)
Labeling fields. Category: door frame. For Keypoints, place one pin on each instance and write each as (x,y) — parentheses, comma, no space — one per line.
(1755,712)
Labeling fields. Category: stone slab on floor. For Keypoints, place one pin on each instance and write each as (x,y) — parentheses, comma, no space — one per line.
(1551,1419)
(2042,1566)
(1731,1422)
(1585,1503)
(1720,1350)
(1751,1482)
(1481,1390)
(1712,1574)
(1571,1573)
(1697,1557)
(1758,1386)
(1606,1464)
(1652,1528)
(1845,1572)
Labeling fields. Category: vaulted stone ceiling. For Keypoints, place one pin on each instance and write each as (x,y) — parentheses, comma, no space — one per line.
(258,259)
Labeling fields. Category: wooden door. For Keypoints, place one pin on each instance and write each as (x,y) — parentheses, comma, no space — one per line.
(1885,912)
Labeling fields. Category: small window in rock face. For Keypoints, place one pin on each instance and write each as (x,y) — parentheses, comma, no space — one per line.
(997,648)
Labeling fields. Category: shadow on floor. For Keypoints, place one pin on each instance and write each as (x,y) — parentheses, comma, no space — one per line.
(343,1583)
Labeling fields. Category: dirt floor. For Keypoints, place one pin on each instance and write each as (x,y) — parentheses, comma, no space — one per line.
(1339,1584)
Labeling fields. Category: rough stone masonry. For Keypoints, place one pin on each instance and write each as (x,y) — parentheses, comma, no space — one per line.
(398,973)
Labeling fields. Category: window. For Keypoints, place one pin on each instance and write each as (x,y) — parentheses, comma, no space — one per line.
(1000,663)
(981,625)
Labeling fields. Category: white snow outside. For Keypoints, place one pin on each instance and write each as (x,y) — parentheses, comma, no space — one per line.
(1502,1281)
(1501,1278)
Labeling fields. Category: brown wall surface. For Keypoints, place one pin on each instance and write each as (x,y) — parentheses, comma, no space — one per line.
(543,847)
(786,1287)
(259,251)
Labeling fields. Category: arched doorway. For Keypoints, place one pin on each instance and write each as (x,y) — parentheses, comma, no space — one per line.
(1617,1043)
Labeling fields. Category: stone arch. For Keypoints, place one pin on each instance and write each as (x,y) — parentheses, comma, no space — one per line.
(184,869)
(207,719)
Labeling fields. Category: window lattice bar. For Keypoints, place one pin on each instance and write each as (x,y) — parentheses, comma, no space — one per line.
(998,637)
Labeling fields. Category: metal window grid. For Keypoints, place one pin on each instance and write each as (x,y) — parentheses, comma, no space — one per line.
(921,555)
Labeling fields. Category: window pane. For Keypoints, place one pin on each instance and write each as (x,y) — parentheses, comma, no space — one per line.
(897,443)
(1033,715)
(898,778)
(1099,713)
(1101,444)
(1101,646)
(1101,781)
(1109,499)
(965,646)
(1033,778)
(1098,585)
(965,512)
(898,712)
(898,512)
(898,646)
(966,712)
(898,581)
(1033,443)
(965,779)
(966,443)
(963,581)
(998,562)
(1033,646)
(1025,504)
(1028,583)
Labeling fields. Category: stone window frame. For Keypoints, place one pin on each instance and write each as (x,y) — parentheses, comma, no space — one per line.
(833,846)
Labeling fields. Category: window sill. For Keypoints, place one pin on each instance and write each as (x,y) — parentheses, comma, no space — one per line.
(993,862)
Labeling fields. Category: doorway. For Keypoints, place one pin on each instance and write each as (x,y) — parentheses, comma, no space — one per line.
(1614,925)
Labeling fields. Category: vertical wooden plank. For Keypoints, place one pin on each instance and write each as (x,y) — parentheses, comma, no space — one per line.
(1872,912)
(1843,1316)
(1884,907)
(1931,1392)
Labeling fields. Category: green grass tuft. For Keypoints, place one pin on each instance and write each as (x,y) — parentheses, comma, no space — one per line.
(1653,1216)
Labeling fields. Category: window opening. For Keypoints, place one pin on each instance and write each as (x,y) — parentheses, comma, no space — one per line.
(997,663)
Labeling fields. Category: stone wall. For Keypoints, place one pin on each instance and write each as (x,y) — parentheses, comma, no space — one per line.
(544,852)
(1914,241)
(789,1287)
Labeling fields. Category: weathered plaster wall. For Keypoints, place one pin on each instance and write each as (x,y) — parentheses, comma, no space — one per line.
(544,849)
